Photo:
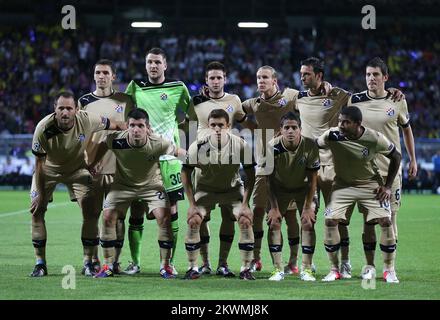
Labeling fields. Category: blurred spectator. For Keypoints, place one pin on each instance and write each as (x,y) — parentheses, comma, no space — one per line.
(436,172)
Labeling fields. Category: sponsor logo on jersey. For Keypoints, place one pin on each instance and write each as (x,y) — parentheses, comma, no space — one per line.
(164,96)
(37,146)
(390,112)
(365,152)
(282,102)
(327,102)
(119,108)
(81,137)
(230,108)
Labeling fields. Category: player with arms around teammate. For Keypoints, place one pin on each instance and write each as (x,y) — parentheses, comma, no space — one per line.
(162,98)
(381,113)
(354,149)
(218,157)
(105,102)
(59,142)
(319,112)
(294,178)
(214,97)
(137,178)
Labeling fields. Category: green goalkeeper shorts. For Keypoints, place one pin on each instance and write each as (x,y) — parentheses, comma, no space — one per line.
(170,169)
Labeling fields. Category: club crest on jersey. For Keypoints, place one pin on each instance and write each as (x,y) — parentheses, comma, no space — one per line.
(81,137)
(230,108)
(282,102)
(119,108)
(327,212)
(327,102)
(164,96)
(37,146)
(302,161)
(390,112)
(365,152)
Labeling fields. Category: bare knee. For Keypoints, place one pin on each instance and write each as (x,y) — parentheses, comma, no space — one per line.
(384,222)
(331,222)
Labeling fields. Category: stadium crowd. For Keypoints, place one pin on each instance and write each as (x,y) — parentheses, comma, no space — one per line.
(36,63)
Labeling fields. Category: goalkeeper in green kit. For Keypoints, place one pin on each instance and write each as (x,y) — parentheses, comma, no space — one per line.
(161,99)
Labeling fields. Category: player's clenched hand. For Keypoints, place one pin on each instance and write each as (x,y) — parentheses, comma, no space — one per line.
(308,217)
(396,94)
(412,170)
(274,217)
(383,194)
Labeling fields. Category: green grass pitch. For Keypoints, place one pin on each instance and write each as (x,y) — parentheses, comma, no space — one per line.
(418,260)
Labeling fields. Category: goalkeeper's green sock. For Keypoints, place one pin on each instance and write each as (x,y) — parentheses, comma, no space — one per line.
(135,231)
(175,229)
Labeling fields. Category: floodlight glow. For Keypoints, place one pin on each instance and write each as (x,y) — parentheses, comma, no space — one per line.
(147,24)
(253,25)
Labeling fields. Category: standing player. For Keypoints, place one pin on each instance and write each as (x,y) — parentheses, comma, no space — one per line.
(381,113)
(218,157)
(319,113)
(354,149)
(59,142)
(268,109)
(137,178)
(296,162)
(104,101)
(161,98)
(203,104)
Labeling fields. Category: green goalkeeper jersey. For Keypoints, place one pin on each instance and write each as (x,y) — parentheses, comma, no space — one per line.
(162,102)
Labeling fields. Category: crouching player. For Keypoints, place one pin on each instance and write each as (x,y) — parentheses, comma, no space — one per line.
(294,178)
(137,178)
(218,157)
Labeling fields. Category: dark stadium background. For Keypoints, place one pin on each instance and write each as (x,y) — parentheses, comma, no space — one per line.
(38,57)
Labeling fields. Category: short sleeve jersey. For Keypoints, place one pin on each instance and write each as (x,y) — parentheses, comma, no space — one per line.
(202,107)
(320,113)
(115,107)
(355,160)
(290,167)
(385,116)
(138,167)
(64,150)
(218,168)
(162,103)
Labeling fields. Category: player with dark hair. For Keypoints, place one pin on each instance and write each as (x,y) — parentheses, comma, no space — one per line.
(106,102)
(137,178)
(214,97)
(162,99)
(59,142)
(294,178)
(382,114)
(355,149)
(218,157)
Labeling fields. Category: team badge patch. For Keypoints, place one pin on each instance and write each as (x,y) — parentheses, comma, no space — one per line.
(164,96)
(81,137)
(34,194)
(327,102)
(230,108)
(119,109)
(282,102)
(302,161)
(390,112)
(37,146)
(365,152)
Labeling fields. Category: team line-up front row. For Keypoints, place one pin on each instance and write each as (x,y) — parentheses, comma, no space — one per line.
(114,156)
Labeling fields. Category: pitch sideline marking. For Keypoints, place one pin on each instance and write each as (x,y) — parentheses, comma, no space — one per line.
(8,214)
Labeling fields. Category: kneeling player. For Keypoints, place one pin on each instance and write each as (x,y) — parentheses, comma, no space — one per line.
(217,181)
(295,159)
(137,178)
